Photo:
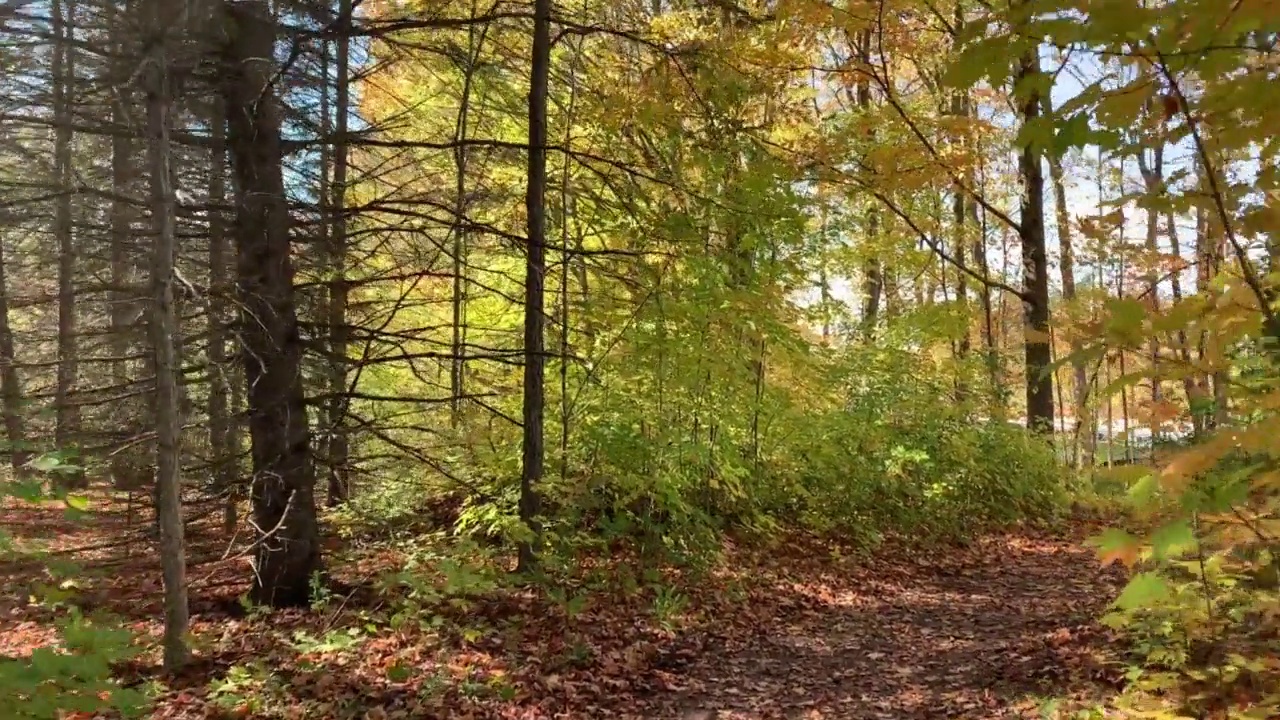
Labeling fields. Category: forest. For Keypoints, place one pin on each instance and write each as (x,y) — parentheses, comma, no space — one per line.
(670,359)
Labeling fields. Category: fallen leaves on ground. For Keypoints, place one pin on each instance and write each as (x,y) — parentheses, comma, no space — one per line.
(791,631)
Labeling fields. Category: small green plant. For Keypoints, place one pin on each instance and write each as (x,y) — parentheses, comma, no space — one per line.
(333,641)
(74,675)
(668,605)
(243,687)
(571,605)
(321,595)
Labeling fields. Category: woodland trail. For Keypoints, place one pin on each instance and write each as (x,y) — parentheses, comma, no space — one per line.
(979,633)
(799,630)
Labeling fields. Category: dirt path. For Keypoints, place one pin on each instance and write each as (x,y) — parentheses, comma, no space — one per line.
(974,634)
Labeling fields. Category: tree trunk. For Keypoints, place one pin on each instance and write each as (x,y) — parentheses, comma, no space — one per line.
(1084,434)
(1035,265)
(62,68)
(122,297)
(287,553)
(873,270)
(960,108)
(1153,183)
(10,382)
(1190,383)
(533,450)
(991,351)
(458,344)
(164,331)
(338,460)
(225,463)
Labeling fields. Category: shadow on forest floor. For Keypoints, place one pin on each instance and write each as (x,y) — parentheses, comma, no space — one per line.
(977,633)
(796,632)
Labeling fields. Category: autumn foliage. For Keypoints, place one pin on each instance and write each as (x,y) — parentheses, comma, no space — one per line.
(648,359)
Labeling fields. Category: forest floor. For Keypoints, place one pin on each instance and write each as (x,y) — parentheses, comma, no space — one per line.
(801,629)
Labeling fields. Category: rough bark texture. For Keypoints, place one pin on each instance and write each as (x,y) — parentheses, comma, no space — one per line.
(873,283)
(1153,182)
(67,415)
(339,335)
(339,444)
(220,433)
(533,451)
(164,331)
(1035,265)
(284,514)
(10,382)
(1085,434)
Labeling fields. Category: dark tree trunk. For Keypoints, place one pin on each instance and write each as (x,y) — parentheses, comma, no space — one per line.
(62,68)
(288,551)
(165,330)
(10,383)
(1153,182)
(1084,433)
(1035,265)
(121,214)
(533,451)
(225,470)
(338,460)
(873,284)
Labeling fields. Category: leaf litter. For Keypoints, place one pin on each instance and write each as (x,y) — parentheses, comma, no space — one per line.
(792,631)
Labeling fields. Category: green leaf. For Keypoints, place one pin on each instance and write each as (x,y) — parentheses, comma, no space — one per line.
(1072,133)
(986,58)
(1112,539)
(77,502)
(45,463)
(1144,590)
(1172,540)
(1124,318)
(398,673)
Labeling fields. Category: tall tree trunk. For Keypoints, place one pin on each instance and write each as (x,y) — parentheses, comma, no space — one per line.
(960,214)
(121,212)
(287,552)
(10,382)
(457,363)
(339,445)
(1035,264)
(533,450)
(961,107)
(991,350)
(1084,434)
(1190,382)
(873,269)
(566,213)
(62,68)
(164,331)
(1153,182)
(225,453)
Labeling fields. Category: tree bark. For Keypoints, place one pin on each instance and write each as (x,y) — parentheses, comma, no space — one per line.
(1191,385)
(62,69)
(224,452)
(164,331)
(1085,436)
(339,445)
(458,344)
(1153,182)
(287,553)
(533,450)
(1035,266)
(873,284)
(10,382)
(121,212)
